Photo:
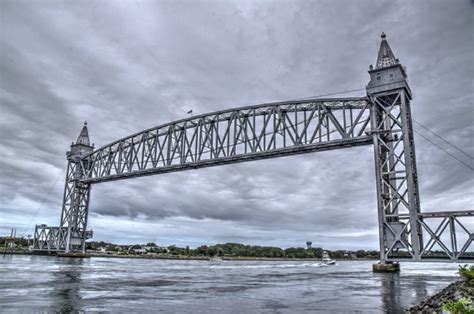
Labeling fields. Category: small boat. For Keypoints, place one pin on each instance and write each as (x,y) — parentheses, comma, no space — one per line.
(215,259)
(326,260)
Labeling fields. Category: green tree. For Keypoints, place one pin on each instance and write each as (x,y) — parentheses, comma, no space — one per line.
(461,306)
(361,254)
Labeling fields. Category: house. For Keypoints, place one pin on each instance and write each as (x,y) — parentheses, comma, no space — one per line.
(123,248)
(139,251)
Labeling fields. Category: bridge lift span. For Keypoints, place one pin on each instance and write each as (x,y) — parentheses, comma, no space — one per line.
(382,118)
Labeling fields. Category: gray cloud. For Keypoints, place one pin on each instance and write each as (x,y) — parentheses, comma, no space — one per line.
(126,66)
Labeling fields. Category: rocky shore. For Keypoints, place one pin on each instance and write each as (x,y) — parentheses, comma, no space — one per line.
(455,291)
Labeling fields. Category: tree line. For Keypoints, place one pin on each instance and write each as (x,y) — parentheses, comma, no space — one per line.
(240,250)
(226,249)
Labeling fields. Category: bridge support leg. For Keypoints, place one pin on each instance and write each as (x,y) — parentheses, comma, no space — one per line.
(75,210)
(71,234)
(396,177)
(395,163)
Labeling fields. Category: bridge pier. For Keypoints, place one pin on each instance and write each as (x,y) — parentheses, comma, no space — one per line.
(386,267)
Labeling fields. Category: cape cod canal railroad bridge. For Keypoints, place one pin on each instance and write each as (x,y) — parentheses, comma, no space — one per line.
(382,118)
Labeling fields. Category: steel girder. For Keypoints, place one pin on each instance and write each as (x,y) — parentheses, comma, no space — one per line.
(236,135)
(448,235)
(49,239)
(396,175)
(75,207)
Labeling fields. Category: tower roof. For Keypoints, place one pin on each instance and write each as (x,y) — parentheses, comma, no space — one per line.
(385,57)
(84,136)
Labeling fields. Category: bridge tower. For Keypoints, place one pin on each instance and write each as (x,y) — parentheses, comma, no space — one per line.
(394,150)
(75,206)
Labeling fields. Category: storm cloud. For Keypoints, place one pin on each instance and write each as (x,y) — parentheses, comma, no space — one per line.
(129,65)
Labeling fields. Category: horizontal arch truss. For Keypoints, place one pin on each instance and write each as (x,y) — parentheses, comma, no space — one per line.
(237,135)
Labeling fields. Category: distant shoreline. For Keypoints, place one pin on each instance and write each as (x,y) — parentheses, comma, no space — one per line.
(190,258)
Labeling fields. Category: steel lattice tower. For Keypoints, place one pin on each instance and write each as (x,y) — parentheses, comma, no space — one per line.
(76,195)
(394,150)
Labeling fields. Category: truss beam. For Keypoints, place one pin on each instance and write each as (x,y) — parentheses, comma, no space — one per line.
(243,134)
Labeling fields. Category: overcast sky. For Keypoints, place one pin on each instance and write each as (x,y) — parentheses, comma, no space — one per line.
(129,65)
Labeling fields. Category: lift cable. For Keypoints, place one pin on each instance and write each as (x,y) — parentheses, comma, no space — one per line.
(330,94)
(42,202)
(444,150)
(443,139)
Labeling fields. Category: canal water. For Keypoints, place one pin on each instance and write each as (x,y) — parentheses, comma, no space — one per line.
(44,284)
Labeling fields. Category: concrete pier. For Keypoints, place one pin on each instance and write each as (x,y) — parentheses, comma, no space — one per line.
(386,267)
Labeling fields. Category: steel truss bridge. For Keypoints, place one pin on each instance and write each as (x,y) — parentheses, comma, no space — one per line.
(382,119)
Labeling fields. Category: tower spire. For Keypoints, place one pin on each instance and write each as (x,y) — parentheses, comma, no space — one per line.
(385,57)
(388,74)
(83,137)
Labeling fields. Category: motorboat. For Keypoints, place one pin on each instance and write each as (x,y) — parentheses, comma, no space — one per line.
(326,260)
(215,259)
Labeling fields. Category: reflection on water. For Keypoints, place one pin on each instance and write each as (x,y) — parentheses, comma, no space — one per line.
(46,284)
(393,294)
(66,285)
